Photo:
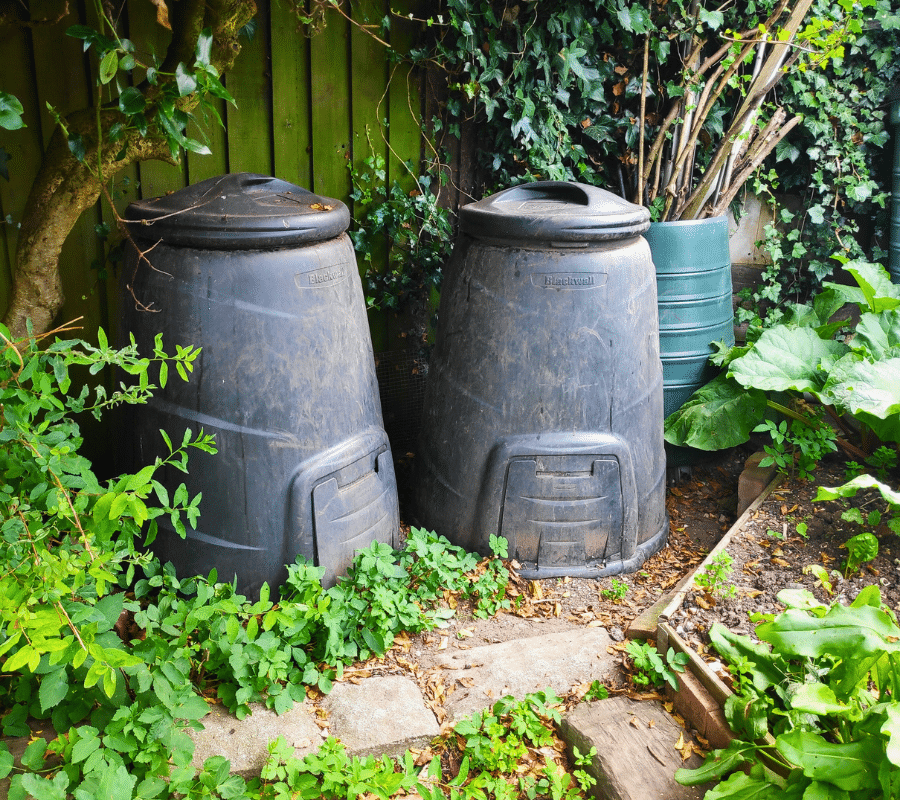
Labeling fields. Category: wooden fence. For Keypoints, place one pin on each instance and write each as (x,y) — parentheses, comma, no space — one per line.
(307,108)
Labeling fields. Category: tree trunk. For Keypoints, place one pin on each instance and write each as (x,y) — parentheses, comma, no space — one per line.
(65,187)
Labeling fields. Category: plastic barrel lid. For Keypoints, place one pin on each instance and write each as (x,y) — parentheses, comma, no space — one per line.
(554,211)
(238,211)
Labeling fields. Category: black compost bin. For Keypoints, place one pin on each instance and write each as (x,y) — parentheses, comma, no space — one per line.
(544,401)
(260,274)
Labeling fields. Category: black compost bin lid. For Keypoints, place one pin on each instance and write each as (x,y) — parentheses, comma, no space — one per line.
(238,211)
(554,211)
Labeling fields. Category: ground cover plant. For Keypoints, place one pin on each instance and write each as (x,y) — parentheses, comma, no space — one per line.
(116,650)
(823,680)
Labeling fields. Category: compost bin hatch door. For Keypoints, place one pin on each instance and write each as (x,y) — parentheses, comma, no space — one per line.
(562,511)
(352,508)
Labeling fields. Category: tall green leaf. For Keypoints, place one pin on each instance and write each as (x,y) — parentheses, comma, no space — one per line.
(719,415)
(786,359)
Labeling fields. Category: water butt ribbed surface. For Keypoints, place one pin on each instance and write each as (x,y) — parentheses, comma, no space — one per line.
(260,274)
(694,288)
(543,407)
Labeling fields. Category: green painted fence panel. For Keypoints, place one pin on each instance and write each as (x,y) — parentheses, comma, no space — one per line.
(330,113)
(291,132)
(250,83)
(308,106)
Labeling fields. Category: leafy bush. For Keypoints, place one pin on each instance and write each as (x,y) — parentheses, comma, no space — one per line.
(857,376)
(117,650)
(825,683)
(837,158)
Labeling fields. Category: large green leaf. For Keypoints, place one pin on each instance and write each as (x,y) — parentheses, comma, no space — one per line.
(786,359)
(719,415)
(876,293)
(745,787)
(851,766)
(870,392)
(824,791)
(850,488)
(845,632)
(891,728)
(880,333)
(717,764)
(738,649)
(817,698)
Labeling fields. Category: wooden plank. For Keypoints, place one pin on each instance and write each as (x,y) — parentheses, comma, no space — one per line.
(404,113)
(405,138)
(250,83)
(291,130)
(23,146)
(368,80)
(155,177)
(330,97)
(65,86)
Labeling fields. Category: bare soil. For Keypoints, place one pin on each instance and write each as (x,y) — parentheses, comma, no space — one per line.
(770,554)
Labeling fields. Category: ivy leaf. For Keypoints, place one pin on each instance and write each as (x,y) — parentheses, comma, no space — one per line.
(11,111)
(131,101)
(712,19)
(816,214)
(787,150)
(6,760)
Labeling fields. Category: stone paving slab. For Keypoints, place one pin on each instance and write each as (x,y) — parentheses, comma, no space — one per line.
(559,661)
(244,742)
(380,716)
(636,756)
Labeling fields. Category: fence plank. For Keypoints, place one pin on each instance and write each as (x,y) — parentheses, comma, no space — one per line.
(291,132)
(206,128)
(156,177)
(331,108)
(250,83)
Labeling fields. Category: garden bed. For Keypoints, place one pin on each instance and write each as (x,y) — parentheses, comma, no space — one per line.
(789,541)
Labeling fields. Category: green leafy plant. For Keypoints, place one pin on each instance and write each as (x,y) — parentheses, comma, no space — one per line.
(823,681)
(809,353)
(796,448)
(651,668)
(616,591)
(883,460)
(860,548)
(713,578)
(416,232)
(596,691)
(866,483)
(69,544)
